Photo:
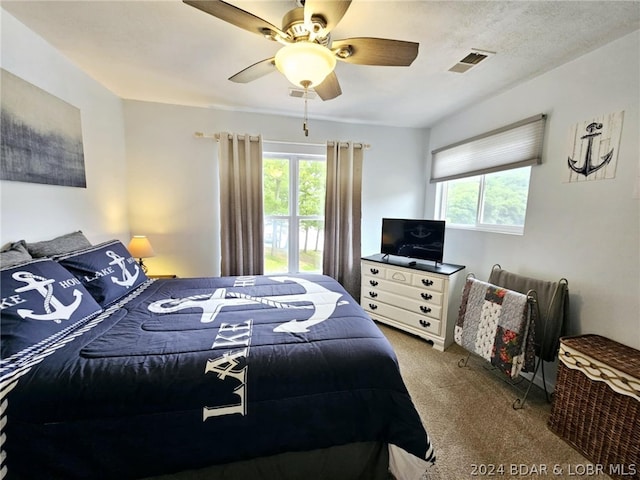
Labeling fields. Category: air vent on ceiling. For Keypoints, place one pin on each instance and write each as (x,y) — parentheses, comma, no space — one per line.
(471,60)
(299,93)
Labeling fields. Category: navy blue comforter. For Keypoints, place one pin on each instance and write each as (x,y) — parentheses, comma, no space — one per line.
(187,373)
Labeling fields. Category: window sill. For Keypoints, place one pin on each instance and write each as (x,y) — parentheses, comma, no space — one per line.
(503,229)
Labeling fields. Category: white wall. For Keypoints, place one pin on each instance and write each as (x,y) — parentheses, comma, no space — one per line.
(587,232)
(38,212)
(173,189)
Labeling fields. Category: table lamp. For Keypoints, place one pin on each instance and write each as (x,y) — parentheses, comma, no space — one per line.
(140,247)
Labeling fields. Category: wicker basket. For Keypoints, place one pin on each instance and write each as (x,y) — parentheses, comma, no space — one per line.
(596,405)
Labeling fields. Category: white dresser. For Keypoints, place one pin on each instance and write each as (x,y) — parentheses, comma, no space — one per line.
(413,298)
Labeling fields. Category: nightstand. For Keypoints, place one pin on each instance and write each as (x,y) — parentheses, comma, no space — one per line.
(162,276)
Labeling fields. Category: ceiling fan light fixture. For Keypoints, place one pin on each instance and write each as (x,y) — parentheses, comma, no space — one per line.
(305,63)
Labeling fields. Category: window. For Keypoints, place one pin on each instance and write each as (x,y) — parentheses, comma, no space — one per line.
(294,196)
(494,202)
(483,182)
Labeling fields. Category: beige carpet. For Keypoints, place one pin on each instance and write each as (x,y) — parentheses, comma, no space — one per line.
(469,416)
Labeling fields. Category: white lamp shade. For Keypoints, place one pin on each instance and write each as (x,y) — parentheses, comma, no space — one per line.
(140,247)
(303,62)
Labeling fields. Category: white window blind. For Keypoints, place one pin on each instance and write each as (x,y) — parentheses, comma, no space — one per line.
(516,145)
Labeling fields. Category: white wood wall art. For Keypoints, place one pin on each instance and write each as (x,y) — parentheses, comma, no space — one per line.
(593,148)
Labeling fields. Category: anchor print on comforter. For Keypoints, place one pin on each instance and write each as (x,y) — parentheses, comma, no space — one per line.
(191,372)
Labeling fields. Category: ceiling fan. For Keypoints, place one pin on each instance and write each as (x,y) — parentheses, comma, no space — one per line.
(308,56)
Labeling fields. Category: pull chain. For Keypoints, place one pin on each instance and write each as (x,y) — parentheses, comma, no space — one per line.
(305,127)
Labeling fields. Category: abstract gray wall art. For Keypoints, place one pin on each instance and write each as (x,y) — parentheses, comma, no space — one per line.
(40,136)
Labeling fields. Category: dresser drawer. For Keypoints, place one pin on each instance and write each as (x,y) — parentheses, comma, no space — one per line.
(413,277)
(375,284)
(412,305)
(428,281)
(403,316)
(387,273)
(398,276)
(374,270)
(371,282)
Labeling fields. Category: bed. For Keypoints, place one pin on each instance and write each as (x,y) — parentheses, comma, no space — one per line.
(109,374)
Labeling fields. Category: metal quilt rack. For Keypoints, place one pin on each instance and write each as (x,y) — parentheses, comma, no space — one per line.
(549,324)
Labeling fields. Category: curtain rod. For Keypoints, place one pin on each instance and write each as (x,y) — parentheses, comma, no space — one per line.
(216,137)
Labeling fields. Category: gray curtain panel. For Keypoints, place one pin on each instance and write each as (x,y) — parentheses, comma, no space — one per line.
(241,217)
(343,213)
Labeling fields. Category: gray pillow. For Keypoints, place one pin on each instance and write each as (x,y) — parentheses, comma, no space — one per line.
(14,253)
(59,245)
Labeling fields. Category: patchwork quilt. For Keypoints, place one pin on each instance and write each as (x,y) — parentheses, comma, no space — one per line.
(495,323)
(167,375)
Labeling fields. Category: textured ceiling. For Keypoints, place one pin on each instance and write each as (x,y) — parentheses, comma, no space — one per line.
(169,52)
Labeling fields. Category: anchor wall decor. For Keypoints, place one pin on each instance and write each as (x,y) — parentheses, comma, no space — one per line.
(593,149)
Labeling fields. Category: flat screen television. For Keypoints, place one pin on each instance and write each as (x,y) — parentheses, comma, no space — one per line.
(420,239)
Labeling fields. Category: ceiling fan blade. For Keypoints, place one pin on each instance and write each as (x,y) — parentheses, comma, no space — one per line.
(329,88)
(332,12)
(375,51)
(238,17)
(255,71)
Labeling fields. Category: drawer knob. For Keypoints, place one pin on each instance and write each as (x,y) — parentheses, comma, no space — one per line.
(425,324)
(424,309)
(373,283)
(426,296)
(426,282)
(373,294)
(375,271)
(373,306)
